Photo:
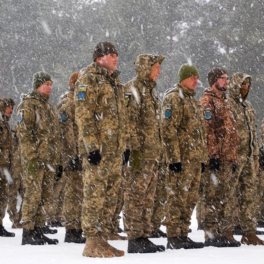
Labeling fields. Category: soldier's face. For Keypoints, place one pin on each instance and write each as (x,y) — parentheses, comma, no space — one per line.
(108,62)
(9,111)
(222,82)
(154,72)
(45,88)
(190,82)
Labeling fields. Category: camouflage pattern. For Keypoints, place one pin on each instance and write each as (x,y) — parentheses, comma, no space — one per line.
(160,198)
(17,186)
(71,187)
(183,134)
(222,140)
(139,200)
(222,137)
(5,158)
(39,137)
(100,117)
(182,197)
(143,124)
(247,152)
(73,196)
(218,186)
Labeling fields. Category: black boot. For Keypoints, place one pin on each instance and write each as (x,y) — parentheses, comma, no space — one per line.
(139,245)
(29,237)
(221,242)
(190,244)
(158,234)
(4,233)
(120,230)
(260,224)
(237,230)
(160,248)
(47,230)
(175,243)
(74,236)
(259,232)
(47,240)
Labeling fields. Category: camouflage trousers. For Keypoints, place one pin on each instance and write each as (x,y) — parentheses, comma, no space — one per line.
(3,195)
(260,197)
(139,200)
(55,212)
(37,197)
(218,195)
(120,200)
(160,199)
(243,207)
(200,210)
(14,189)
(73,195)
(101,185)
(182,196)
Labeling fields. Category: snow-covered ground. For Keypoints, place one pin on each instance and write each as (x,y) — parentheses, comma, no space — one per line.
(12,252)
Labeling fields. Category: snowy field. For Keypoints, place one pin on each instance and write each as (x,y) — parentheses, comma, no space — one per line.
(12,252)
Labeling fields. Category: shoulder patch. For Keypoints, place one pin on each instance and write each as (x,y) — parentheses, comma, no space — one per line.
(64,117)
(168,111)
(207,113)
(82,91)
(20,115)
(127,99)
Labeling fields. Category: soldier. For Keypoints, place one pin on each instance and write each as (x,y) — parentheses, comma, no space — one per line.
(218,178)
(100,117)
(73,193)
(6,109)
(144,142)
(245,116)
(39,137)
(183,136)
(17,186)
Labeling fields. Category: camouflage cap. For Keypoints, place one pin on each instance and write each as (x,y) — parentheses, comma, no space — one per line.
(4,102)
(40,78)
(104,48)
(73,79)
(214,74)
(186,70)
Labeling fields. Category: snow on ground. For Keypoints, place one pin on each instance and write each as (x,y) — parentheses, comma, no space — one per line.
(12,252)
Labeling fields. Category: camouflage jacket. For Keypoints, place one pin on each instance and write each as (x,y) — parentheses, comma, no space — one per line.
(245,117)
(5,142)
(38,130)
(222,136)
(68,126)
(183,126)
(99,111)
(143,111)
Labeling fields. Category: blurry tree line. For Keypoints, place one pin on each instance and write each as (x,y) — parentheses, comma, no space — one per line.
(58,36)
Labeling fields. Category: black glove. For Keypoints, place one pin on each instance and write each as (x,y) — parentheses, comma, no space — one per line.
(75,164)
(214,164)
(176,167)
(203,167)
(126,155)
(59,171)
(233,169)
(94,157)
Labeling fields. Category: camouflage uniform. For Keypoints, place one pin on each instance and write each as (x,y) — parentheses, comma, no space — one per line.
(222,141)
(183,135)
(99,114)
(143,120)
(39,137)
(17,186)
(5,158)
(73,193)
(247,153)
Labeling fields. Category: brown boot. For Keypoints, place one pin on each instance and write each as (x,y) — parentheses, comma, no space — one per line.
(229,236)
(98,247)
(114,236)
(251,239)
(16,225)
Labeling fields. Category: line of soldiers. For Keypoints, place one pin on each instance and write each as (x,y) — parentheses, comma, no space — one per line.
(109,147)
